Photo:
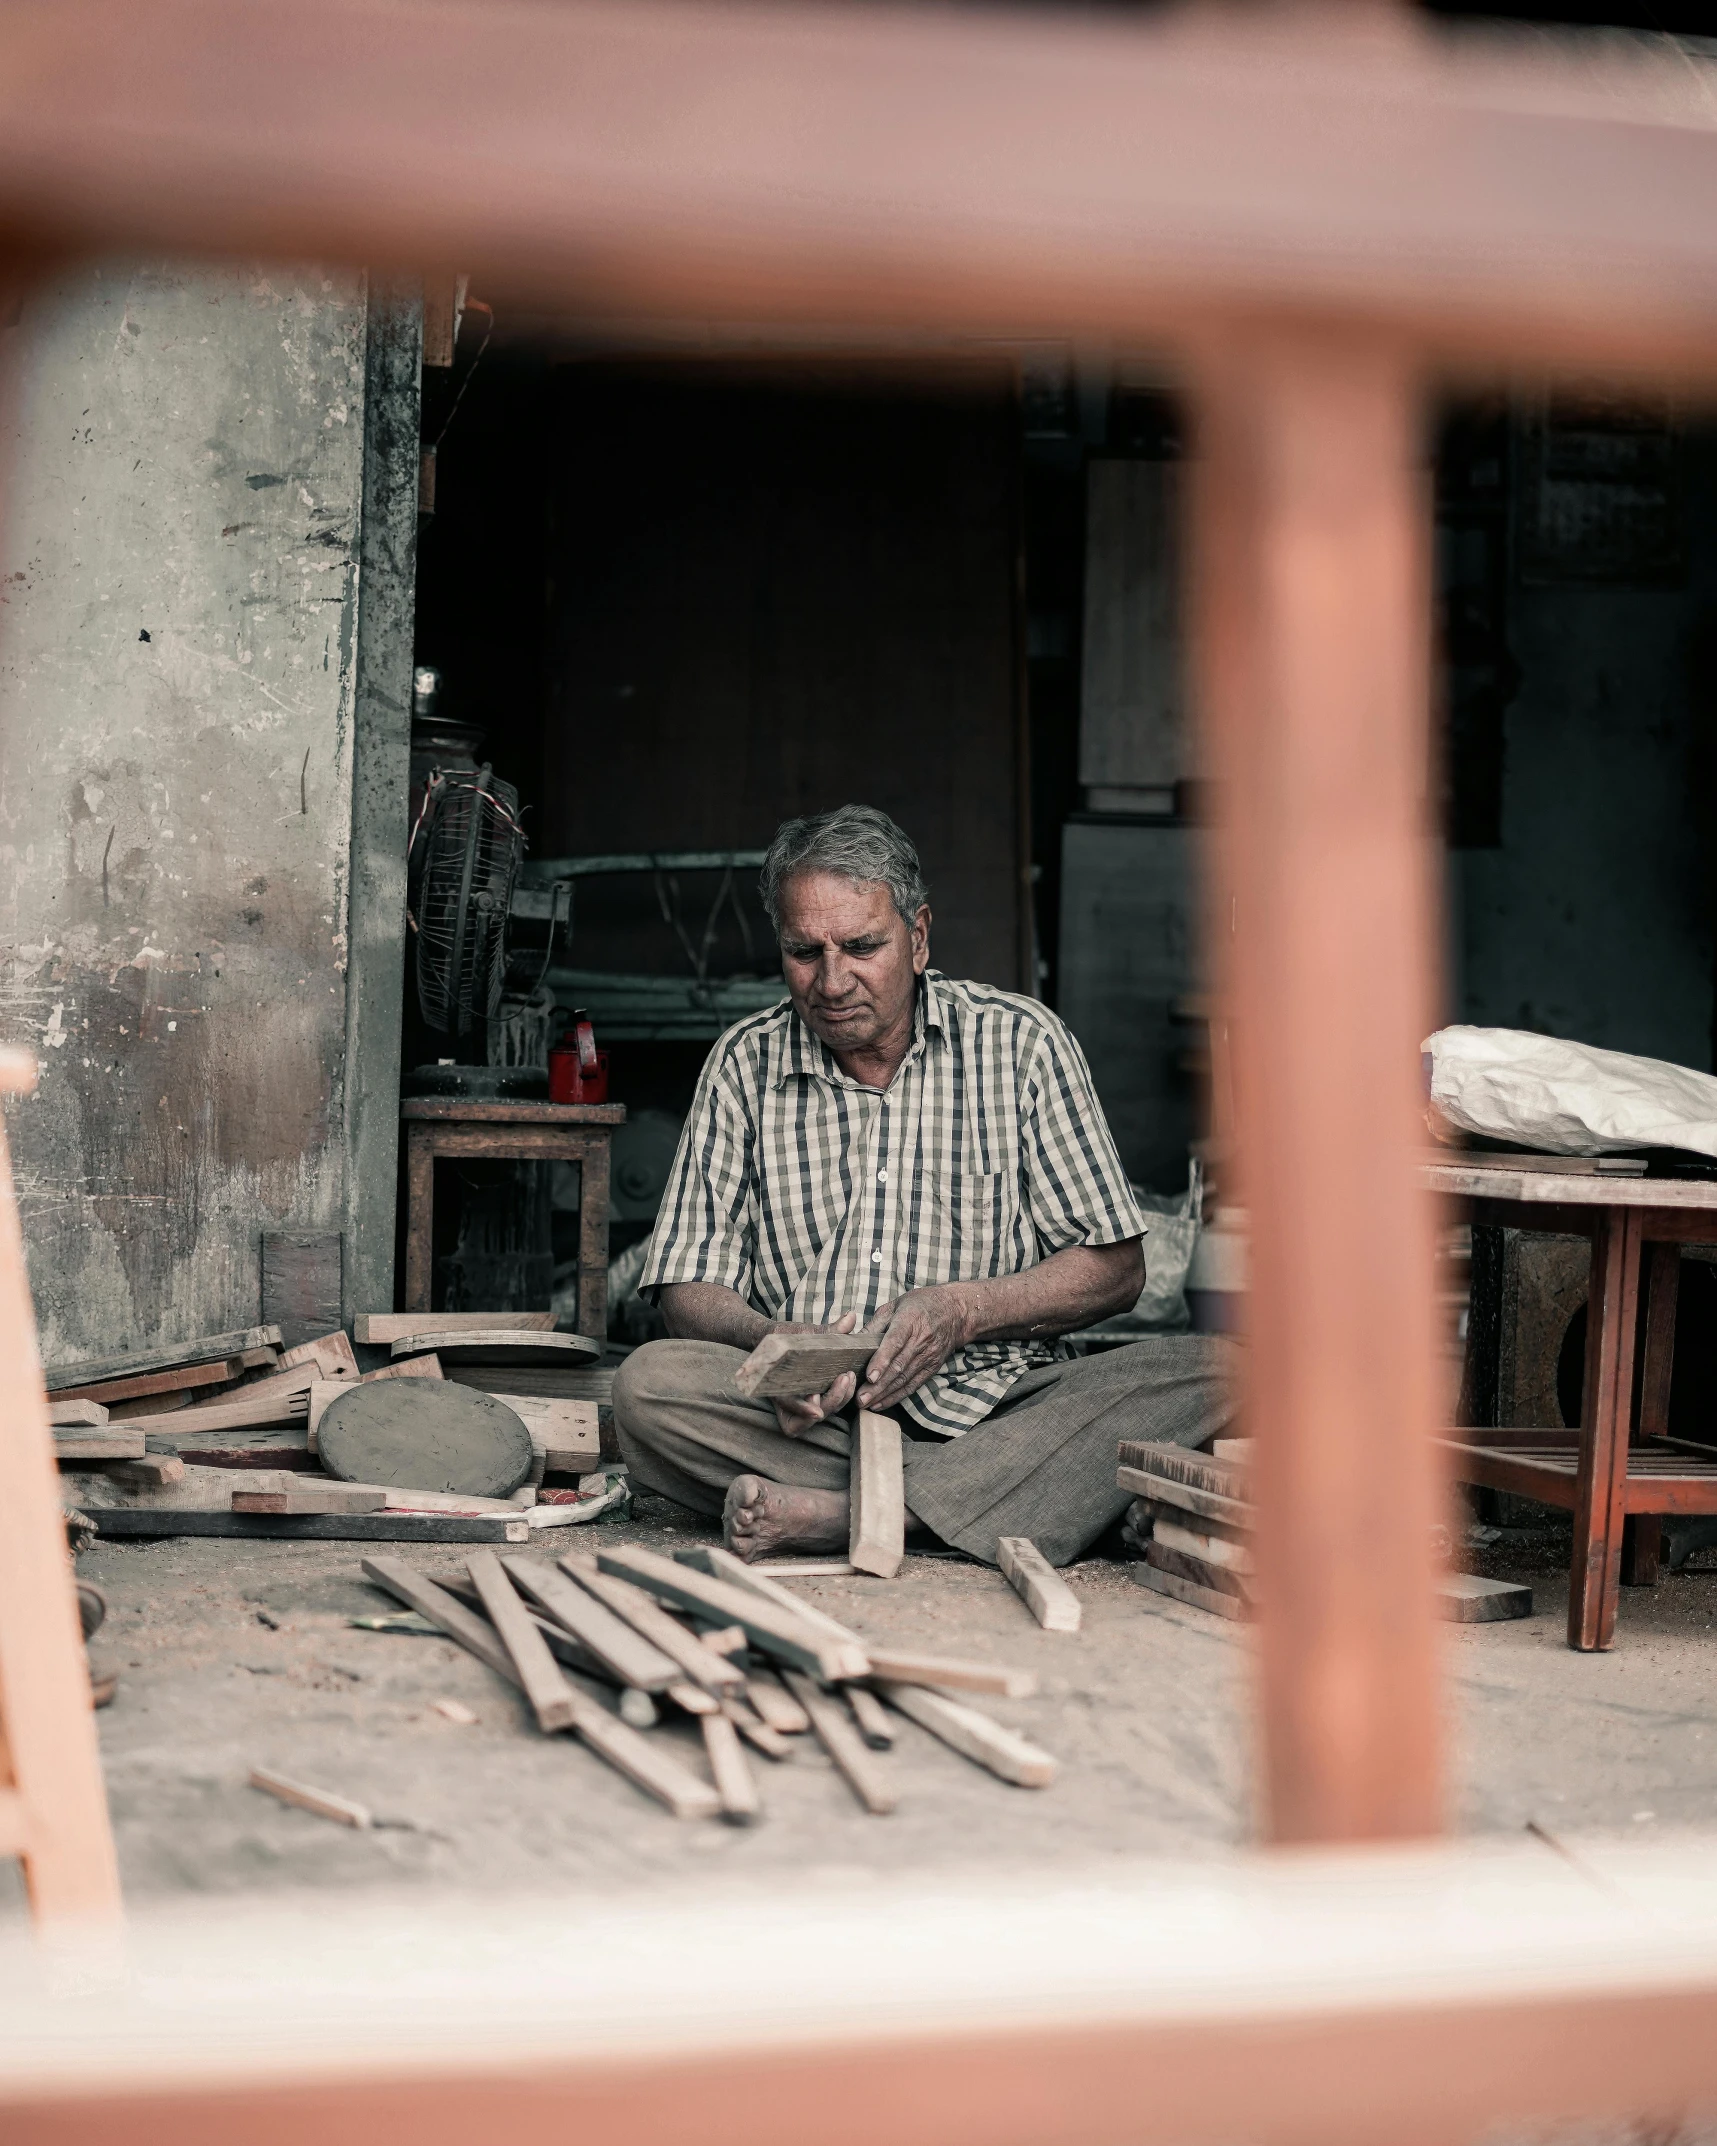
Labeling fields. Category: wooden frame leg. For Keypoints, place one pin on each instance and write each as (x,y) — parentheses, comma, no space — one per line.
(593,1240)
(1642,1533)
(1311,607)
(1594,1578)
(419,1217)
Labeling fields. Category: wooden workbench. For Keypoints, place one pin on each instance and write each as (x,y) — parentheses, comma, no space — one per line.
(1621,1472)
(511,1132)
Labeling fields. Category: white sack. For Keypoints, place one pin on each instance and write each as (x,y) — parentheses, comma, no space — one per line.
(1568,1098)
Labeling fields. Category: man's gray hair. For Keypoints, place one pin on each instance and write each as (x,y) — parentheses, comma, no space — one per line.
(855,841)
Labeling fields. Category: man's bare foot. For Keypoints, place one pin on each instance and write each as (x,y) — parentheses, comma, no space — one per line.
(764,1519)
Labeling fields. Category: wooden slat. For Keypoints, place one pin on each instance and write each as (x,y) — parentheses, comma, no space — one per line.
(208,1348)
(1606,1398)
(838,1737)
(631,1657)
(706,1669)
(1037,1583)
(551,1698)
(735,1783)
(877,1543)
(975,1736)
(1166,1490)
(776,1632)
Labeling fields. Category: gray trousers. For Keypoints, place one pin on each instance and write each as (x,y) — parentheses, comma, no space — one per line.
(1041,1464)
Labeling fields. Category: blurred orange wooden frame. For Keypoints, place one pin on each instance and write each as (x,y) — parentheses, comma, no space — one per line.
(1311,215)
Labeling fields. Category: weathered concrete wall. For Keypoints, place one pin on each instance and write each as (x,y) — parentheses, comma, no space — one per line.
(178,631)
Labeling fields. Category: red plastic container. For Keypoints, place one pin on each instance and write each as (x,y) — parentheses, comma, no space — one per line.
(568,1082)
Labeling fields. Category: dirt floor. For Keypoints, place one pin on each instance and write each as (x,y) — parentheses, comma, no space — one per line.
(236,1655)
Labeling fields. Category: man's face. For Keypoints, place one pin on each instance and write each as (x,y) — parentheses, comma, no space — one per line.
(849,960)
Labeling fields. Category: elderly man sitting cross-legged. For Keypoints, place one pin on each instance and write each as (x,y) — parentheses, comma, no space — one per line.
(926,1161)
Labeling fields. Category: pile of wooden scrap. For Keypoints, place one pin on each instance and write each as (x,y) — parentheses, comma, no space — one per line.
(225,1435)
(704,1637)
(1191,1523)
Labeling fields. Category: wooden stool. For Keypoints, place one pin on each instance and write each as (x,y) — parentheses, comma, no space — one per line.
(53,1806)
(511,1132)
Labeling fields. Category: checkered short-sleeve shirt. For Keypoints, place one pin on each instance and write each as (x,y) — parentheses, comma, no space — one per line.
(812,1196)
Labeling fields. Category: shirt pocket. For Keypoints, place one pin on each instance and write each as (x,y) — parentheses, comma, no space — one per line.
(974,1216)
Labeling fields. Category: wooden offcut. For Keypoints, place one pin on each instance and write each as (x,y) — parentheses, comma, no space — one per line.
(631,1657)
(1037,1583)
(379,1329)
(1466,1598)
(870,1717)
(117,1441)
(791,1638)
(975,1736)
(792,1366)
(315,1494)
(708,1671)
(838,1737)
(136,1363)
(941,1672)
(408,1367)
(148,1471)
(244,1411)
(551,1698)
(735,1783)
(1190,1497)
(504,1346)
(877,1497)
(71,1415)
(145,1385)
(321,1801)
(331,1354)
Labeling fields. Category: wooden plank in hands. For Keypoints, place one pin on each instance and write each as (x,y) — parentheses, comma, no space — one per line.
(838,1737)
(773,1631)
(551,1697)
(788,1367)
(634,1659)
(735,1783)
(1037,1583)
(709,1671)
(975,1736)
(877,1498)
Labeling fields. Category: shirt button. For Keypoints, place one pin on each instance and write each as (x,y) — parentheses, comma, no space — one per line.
(882,1177)
(876,1259)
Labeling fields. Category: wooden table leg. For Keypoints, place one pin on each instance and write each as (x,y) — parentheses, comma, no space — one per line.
(1642,1533)
(419,1217)
(1594,1579)
(593,1239)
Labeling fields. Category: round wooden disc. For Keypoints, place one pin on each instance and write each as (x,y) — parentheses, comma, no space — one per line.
(423,1434)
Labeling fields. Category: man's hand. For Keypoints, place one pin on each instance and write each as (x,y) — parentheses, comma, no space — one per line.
(920,1331)
(797,1416)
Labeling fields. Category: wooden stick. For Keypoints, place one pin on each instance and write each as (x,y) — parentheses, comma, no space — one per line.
(323,1802)
(646,1616)
(721,1564)
(1034,1579)
(634,1659)
(550,1696)
(840,1740)
(789,1366)
(777,1707)
(734,1781)
(240,1413)
(975,1736)
(758,1734)
(944,1673)
(877,1497)
(793,1639)
(869,1717)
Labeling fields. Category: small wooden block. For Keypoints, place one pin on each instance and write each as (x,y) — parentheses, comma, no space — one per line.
(975,1736)
(840,1740)
(757,1734)
(551,1698)
(377,1329)
(73,1414)
(408,1367)
(1465,1598)
(877,1497)
(148,1471)
(729,1639)
(1042,1589)
(455,1711)
(790,1366)
(568,1434)
(331,1354)
(323,1802)
(735,1783)
(1187,1565)
(1212,1548)
(942,1673)
(314,1495)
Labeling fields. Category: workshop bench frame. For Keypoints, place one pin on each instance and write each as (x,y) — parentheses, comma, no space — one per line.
(1621,1474)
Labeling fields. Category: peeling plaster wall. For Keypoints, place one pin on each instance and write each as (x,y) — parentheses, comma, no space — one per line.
(178,619)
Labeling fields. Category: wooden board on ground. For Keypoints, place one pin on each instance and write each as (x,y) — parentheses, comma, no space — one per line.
(975,1736)
(502,1345)
(1169,1490)
(735,1783)
(805,1568)
(775,1631)
(117,1442)
(1037,1583)
(147,1385)
(1190,1592)
(1465,1598)
(552,1699)
(790,1366)
(159,1521)
(941,1672)
(378,1329)
(631,1657)
(876,1497)
(707,1670)
(312,1494)
(425,1435)
(840,1739)
(133,1363)
(74,1415)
